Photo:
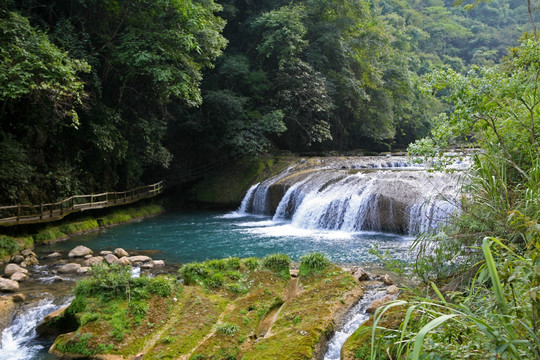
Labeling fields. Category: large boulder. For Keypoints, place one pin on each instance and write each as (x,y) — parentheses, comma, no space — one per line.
(14,268)
(139,259)
(120,252)
(70,268)
(93,260)
(80,251)
(123,261)
(110,258)
(7,305)
(19,276)
(8,285)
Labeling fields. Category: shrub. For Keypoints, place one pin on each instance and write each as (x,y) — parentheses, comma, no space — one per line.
(277,262)
(160,286)
(8,245)
(193,272)
(252,263)
(214,281)
(227,329)
(138,310)
(313,262)
(233,263)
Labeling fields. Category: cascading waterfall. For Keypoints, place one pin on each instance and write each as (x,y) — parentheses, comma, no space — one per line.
(355,317)
(19,340)
(352,200)
(244,206)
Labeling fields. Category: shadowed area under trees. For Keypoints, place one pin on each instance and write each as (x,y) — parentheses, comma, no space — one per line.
(107,95)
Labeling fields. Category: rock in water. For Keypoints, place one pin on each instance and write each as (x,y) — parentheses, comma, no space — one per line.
(80,251)
(110,258)
(69,268)
(14,268)
(123,261)
(387,280)
(93,260)
(19,276)
(120,252)
(392,290)
(8,285)
(54,255)
(378,303)
(139,259)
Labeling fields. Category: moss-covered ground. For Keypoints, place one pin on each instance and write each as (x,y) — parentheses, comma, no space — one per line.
(223,309)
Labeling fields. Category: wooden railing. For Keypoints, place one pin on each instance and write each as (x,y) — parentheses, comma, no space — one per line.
(27,214)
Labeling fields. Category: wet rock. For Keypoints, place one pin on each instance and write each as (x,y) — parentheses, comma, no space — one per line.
(80,251)
(158,263)
(88,256)
(56,323)
(378,303)
(19,276)
(70,268)
(110,258)
(6,307)
(29,261)
(14,268)
(139,259)
(123,261)
(8,285)
(359,273)
(54,255)
(93,260)
(83,270)
(18,297)
(392,290)
(387,280)
(120,252)
(28,252)
(148,265)
(17,259)
(105,252)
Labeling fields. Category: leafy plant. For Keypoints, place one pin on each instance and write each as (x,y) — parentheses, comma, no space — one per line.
(161,286)
(227,329)
(313,262)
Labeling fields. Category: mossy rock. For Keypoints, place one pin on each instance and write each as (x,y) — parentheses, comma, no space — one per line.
(273,317)
(226,187)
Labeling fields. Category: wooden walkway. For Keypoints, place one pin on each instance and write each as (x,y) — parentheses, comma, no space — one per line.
(32,214)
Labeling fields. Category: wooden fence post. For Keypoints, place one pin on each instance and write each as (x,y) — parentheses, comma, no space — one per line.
(19,212)
(41,212)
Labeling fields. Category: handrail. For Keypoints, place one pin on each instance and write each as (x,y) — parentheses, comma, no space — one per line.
(23,213)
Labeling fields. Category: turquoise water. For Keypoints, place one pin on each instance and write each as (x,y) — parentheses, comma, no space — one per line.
(181,237)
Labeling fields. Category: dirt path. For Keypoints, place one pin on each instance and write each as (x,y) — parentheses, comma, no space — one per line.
(265,327)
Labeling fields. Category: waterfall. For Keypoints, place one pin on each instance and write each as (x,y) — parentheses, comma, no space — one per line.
(19,340)
(355,317)
(244,206)
(346,198)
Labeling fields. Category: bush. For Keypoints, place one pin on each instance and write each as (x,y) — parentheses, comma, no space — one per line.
(227,329)
(193,272)
(214,281)
(277,262)
(8,246)
(252,263)
(160,286)
(313,262)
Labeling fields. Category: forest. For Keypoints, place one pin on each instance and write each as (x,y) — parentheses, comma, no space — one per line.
(101,95)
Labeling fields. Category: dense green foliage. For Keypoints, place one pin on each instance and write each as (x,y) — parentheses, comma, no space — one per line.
(105,95)
(489,259)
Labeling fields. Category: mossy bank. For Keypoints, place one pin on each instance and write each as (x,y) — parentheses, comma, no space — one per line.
(220,309)
(12,244)
(227,186)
